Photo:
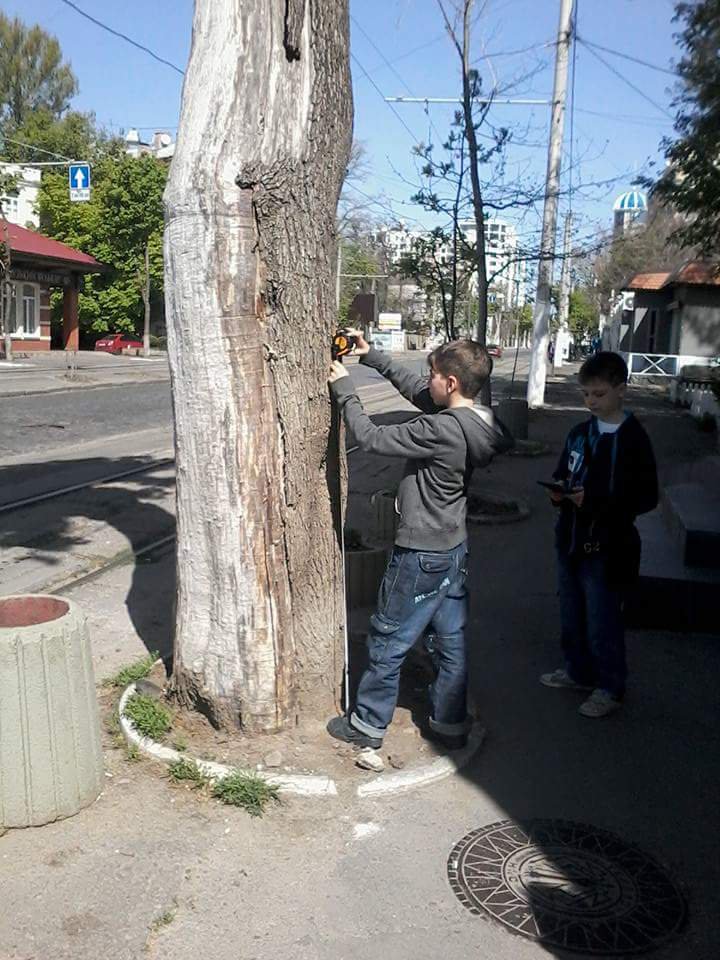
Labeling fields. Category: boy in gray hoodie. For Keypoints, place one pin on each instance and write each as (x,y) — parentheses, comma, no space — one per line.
(424,584)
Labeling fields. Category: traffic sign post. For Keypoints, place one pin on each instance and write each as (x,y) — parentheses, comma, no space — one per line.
(79,179)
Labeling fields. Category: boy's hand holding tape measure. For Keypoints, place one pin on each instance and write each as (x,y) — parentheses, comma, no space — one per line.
(345,342)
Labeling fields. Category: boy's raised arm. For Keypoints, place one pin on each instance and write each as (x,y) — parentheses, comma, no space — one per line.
(415,439)
(409,384)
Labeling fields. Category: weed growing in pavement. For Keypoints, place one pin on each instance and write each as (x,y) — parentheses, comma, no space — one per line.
(149,718)
(132,753)
(246,790)
(132,672)
(112,725)
(188,770)
(180,743)
(164,920)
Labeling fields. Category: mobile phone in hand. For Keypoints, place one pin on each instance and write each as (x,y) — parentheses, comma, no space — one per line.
(556,486)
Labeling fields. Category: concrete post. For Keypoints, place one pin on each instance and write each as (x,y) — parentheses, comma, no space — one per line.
(51,763)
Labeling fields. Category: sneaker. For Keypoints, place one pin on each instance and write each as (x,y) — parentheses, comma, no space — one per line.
(600,704)
(562,679)
(341,729)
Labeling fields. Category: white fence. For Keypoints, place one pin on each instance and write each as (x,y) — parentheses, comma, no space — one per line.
(661,364)
(698,397)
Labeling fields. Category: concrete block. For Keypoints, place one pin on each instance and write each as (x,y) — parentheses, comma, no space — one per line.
(51,763)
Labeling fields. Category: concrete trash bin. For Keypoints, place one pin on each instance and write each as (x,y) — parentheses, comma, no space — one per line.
(51,763)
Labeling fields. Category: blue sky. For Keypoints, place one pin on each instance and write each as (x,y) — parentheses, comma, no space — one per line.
(616,130)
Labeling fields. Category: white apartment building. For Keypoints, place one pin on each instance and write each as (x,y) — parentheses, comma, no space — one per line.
(161,146)
(501,247)
(21,206)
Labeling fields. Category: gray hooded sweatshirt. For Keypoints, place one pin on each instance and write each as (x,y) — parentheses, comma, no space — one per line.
(441,446)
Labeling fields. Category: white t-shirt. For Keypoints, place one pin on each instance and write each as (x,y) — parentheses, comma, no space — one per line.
(605,427)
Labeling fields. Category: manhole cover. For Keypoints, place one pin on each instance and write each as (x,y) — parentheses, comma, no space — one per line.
(567,885)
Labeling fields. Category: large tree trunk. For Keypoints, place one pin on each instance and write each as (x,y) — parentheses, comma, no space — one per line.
(250,248)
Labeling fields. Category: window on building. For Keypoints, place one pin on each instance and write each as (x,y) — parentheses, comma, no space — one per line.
(30,309)
(10,208)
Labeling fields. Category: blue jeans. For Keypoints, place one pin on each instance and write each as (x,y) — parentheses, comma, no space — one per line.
(419,589)
(592,624)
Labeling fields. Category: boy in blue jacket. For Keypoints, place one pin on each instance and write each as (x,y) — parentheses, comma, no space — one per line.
(424,584)
(608,469)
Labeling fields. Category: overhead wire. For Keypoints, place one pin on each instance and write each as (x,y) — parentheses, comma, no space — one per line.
(123,36)
(389,65)
(625,80)
(30,146)
(627,56)
(416,139)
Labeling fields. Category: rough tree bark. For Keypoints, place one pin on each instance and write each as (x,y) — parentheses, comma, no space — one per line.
(250,247)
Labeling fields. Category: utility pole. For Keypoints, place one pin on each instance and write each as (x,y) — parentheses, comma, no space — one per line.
(541,316)
(563,334)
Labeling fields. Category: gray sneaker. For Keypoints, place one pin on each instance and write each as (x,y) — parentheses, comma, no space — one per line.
(600,703)
(562,680)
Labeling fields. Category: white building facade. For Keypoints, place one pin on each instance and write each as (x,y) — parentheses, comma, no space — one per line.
(20,206)
(501,253)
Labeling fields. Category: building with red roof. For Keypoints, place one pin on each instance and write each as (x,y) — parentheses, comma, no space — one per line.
(39,264)
(668,319)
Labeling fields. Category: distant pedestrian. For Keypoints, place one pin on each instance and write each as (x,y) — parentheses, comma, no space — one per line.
(609,474)
(551,351)
(424,584)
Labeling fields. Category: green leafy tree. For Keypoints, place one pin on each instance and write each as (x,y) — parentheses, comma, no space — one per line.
(583,313)
(32,72)
(122,226)
(74,136)
(691,182)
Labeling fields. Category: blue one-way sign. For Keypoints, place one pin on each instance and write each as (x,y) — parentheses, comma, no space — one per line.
(79,177)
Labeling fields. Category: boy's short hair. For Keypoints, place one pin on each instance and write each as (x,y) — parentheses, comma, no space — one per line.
(467,361)
(606,366)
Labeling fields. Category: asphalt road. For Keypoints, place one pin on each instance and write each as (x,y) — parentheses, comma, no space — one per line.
(77,435)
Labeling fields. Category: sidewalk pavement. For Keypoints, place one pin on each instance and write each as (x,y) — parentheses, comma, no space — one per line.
(155,871)
(56,370)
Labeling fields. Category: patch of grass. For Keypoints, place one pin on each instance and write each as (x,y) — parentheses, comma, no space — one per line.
(132,754)
(180,743)
(132,672)
(149,717)
(187,770)
(246,790)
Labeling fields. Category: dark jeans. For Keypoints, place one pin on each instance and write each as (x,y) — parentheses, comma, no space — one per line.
(592,624)
(420,589)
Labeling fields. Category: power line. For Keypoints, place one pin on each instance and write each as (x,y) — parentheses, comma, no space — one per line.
(382,95)
(393,70)
(49,153)
(123,36)
(626,56)
(625,80)
(513,53)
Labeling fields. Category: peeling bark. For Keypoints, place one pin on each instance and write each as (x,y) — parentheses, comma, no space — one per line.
(250,243)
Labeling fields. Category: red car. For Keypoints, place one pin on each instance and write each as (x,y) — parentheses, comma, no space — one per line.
(117,342)
(494,350)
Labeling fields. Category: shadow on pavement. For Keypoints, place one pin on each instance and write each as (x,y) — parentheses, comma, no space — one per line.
(130,506)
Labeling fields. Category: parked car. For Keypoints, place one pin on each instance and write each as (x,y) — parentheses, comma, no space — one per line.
(117,342)
(494,350)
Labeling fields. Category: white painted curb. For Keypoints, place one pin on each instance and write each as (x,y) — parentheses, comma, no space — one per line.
(429,773)
(305,785)
(313,785)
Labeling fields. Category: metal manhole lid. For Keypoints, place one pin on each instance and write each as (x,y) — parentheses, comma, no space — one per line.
(567,885)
